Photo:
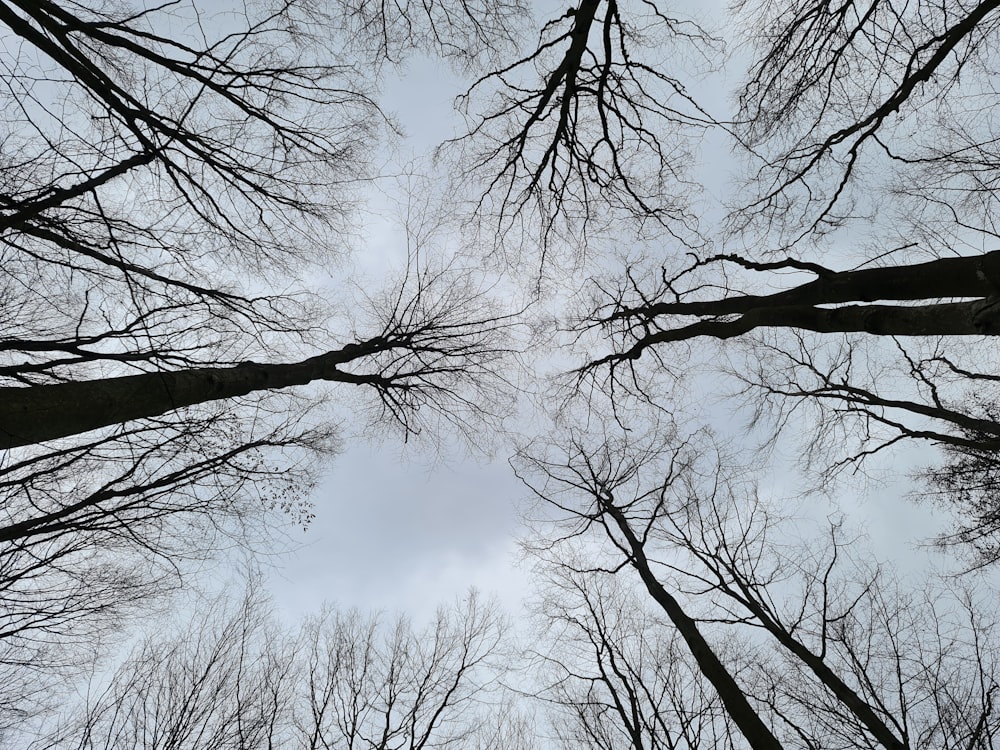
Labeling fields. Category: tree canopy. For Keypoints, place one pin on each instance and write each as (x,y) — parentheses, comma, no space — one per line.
(183,337)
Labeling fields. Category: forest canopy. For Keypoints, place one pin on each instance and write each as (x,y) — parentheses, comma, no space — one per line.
(665,247)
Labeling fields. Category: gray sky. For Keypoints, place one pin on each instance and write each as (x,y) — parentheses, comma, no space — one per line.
(410,534)
(392,534)
(397,529)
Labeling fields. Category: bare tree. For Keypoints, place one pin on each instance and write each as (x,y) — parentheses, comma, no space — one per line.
(612,673)
(832,651)
(836,89)
(233,679)
(596,117)
(433,343)
(382,685)
(639,320)
(863,292)
(170,178)
(226,680)
(471,34)
(240,156)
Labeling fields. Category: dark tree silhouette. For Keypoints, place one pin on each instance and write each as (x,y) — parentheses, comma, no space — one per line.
(171,179)
(614,674)
(233,678)
(384,684)
(836,88)
(865,286)
(639,320)
(807,644)
(596,117)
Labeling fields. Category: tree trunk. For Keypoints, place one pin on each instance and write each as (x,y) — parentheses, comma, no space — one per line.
(46,412)
(756,732)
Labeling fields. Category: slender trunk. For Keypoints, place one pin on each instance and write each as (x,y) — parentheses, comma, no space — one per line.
(857,705)
(737,706)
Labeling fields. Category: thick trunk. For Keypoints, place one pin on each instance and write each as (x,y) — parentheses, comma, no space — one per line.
(46,412)
(980,317)
(971,277)
(822,305)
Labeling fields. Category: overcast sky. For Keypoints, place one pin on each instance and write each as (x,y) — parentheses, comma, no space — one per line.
(400,529)
(410,534)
